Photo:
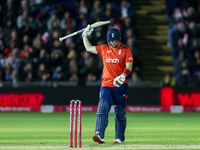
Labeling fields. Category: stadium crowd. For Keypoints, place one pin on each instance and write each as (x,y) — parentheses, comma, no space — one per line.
(30,49)
(184,39)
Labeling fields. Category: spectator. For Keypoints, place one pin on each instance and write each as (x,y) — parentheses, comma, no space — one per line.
(8,72)
(97,11)
(32,29)
(197,80)
(132,44)
(59,76)
(43,58)
(30,77)
(73,71)
(126,11)
(41,71)
(52,37)
(135,79)
(28,49)
(72,54)
(58,69)
(82,8)
(9,27)
(168,80)
(14,60)
(194,64)
(67,22)
(129,34)
(28,68)
(43,80)
(176,35)
(26,58)
(23,7)
(22,18)
(180,64)
(37,45)
(2,48)
(90,70)
(35,5)
(69,40)
(98,34)
(193,46)
(194,31)
(53,21)
(191,15)
(184,78)
(9,8)
(80,18)
(43,13)
(128,24)
(14,38)
(55,26)
(26,40)
(32,23)
(57,45)
(56,58)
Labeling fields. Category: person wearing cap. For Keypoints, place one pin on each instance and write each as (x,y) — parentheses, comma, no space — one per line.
(118,62)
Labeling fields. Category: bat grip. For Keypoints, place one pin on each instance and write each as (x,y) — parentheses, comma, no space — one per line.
(70,35)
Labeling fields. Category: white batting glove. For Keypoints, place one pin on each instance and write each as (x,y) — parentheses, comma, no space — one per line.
(87,31)
(118,81)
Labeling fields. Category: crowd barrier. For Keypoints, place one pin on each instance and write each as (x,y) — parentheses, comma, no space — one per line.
(140,99)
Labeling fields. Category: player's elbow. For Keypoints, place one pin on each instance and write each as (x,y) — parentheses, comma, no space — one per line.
(91,49)
(130,69)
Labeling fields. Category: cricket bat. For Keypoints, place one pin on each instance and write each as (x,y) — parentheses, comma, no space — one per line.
(94,25)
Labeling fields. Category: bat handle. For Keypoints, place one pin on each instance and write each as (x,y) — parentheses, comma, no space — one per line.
(70,35)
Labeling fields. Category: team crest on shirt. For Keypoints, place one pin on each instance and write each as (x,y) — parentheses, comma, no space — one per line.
(119,51)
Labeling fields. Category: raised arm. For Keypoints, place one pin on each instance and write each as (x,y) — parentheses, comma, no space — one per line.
(86,42)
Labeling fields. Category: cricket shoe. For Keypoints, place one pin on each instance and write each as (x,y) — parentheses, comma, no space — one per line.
(98,139)
(118,141)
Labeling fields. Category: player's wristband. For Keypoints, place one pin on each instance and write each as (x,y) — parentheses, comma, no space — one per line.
(127,72)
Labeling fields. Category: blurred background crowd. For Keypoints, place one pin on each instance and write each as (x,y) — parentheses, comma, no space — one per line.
(30,49)
(184,39)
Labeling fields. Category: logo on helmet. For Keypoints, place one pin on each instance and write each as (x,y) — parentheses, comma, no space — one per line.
(113,35)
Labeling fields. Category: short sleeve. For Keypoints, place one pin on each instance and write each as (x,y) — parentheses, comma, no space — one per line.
(100,49)
(129,55)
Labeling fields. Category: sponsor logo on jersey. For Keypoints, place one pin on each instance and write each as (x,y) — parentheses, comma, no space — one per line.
(130,58)
(110,60)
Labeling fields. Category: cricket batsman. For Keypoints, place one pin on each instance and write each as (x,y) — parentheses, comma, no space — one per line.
(117,61)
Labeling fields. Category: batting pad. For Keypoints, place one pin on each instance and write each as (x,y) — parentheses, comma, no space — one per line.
(102,118)
(120,122)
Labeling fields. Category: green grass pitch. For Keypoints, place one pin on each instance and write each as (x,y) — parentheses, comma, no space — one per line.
(144,131)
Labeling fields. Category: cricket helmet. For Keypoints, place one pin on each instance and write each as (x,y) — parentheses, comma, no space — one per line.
(113,34)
